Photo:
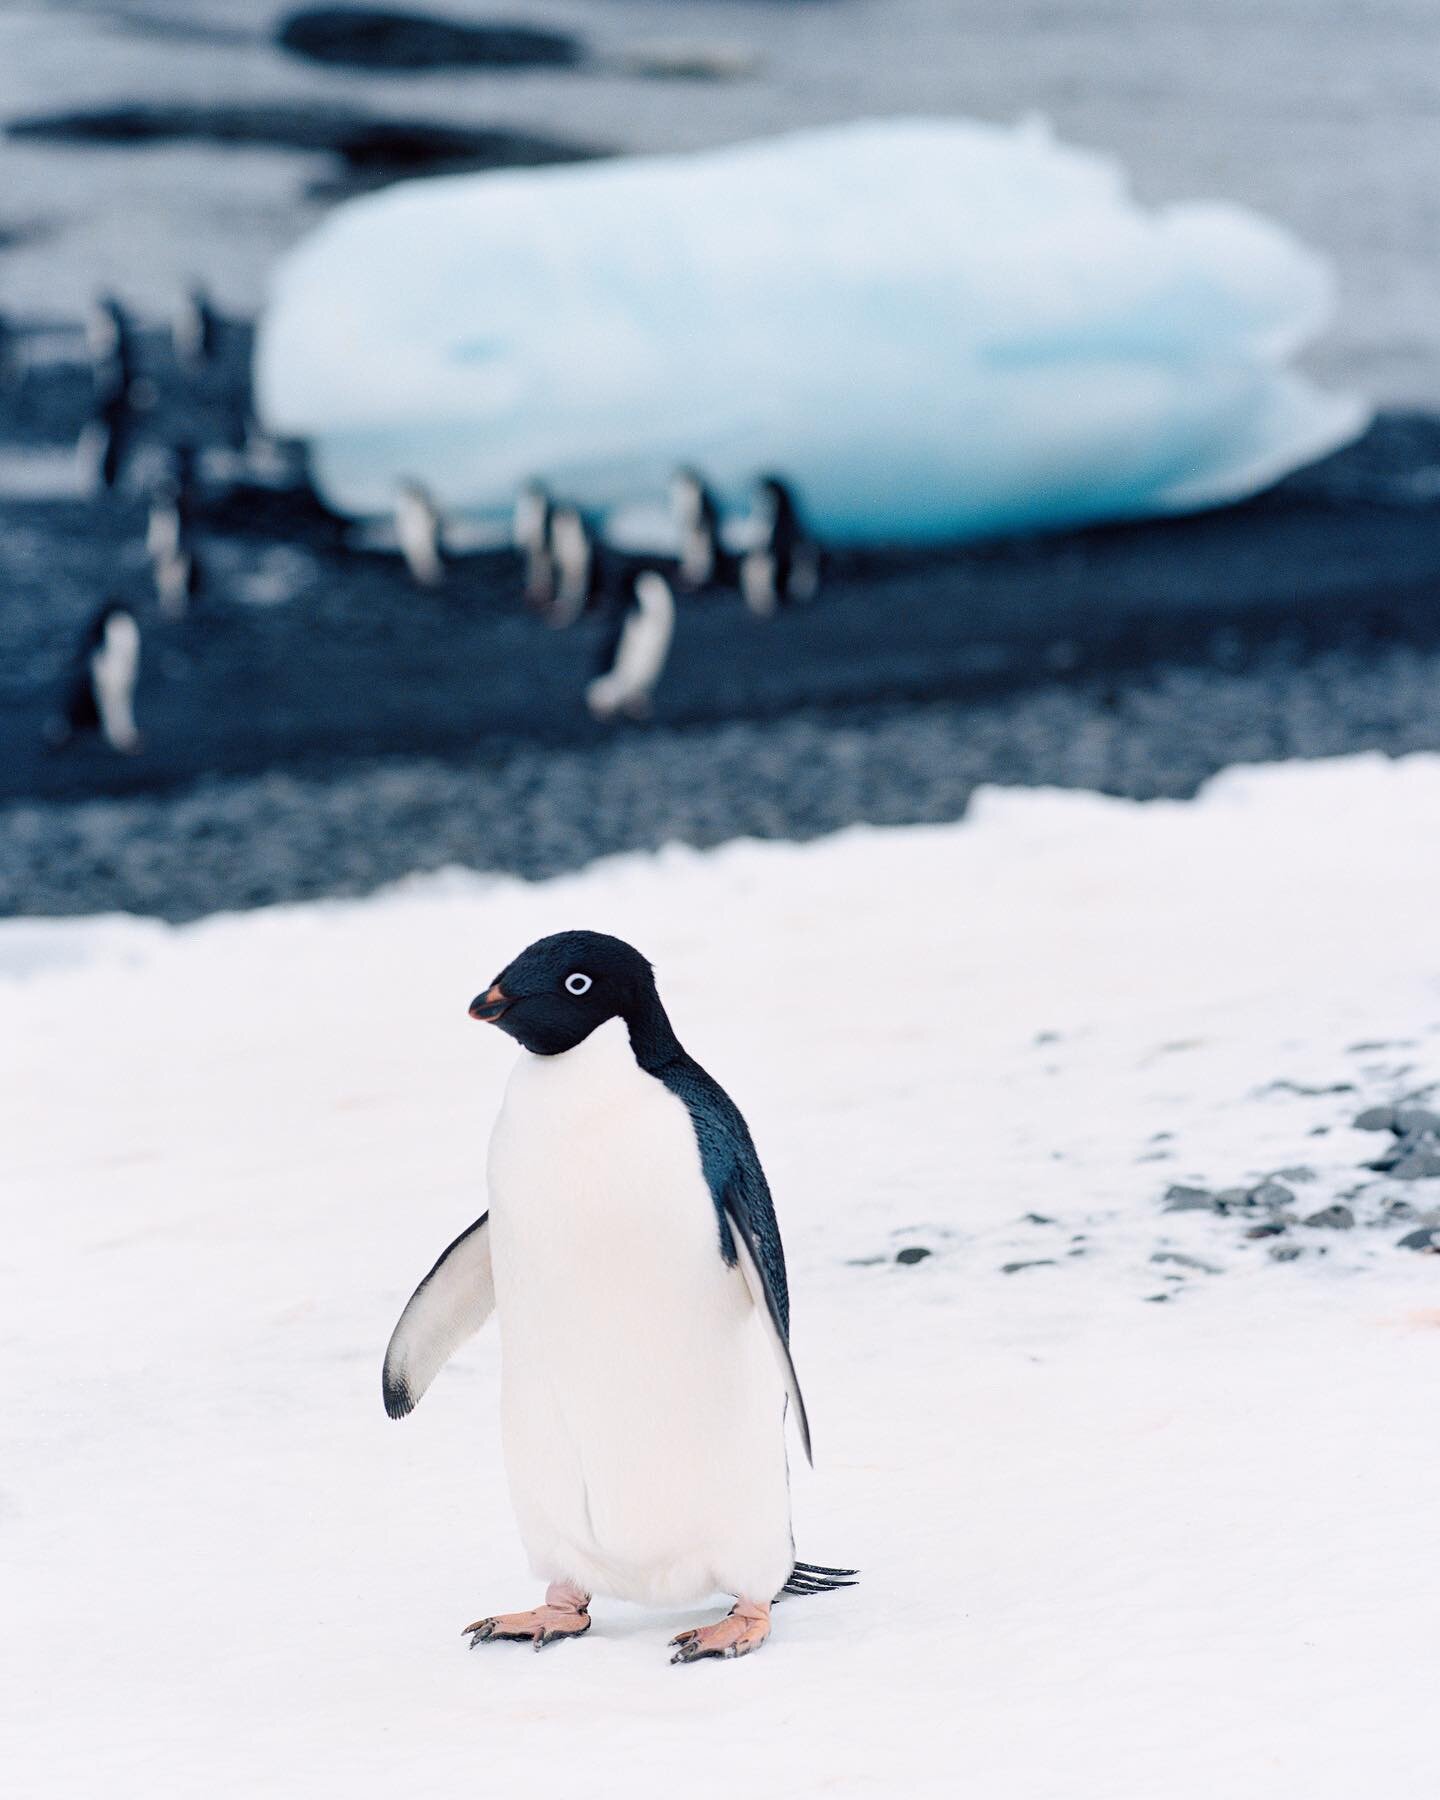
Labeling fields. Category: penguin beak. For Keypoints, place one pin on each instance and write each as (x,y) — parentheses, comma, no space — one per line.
(490,1006)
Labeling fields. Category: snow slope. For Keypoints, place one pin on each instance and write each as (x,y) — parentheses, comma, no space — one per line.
(934,328)
(1111,1548)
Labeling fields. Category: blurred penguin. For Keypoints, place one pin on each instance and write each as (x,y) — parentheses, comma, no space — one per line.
(177,582)
(171,507)
(576,559)
(530,532)
(697,524)
(419,530)
(100,696)
(782,565)
(104,443)
(110,341)
(638,649)
(195,331)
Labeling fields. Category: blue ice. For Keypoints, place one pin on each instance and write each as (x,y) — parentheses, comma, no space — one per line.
(934,329)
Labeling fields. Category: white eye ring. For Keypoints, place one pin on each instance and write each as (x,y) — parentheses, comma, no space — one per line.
(578,984)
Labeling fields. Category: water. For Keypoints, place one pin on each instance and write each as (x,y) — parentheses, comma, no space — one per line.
(1324,115)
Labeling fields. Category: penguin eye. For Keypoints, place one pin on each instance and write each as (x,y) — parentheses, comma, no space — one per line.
(578,984)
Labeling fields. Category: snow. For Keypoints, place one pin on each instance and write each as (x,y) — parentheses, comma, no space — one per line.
(1111,1548)
(933,328)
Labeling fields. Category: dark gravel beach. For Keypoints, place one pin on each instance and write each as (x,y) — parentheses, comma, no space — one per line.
(251,841)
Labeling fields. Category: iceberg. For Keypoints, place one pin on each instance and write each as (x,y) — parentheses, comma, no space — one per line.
(933,329)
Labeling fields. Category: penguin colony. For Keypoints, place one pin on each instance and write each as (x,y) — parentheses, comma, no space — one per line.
(633,1258)
(568,573)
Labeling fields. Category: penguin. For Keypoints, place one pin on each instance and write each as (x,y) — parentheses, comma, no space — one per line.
(530,533)
(195,331)
(101,693)
(783,566)
(178,580)
(104,443)
(418,527)
(633,1258)
(111,344)
(575,559)
(697,522)
(635,653)
(167,529)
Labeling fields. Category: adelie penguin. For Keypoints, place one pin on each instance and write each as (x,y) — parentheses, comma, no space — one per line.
(697,525)
(100,696)
(530,533)
(575,560)
(168,540)
(195,331)
(420,533)
(104,443)
(634,654)
(782,564)
(632,1256)
(110,341)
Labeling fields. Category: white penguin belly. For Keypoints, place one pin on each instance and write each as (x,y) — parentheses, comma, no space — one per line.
(643,1411)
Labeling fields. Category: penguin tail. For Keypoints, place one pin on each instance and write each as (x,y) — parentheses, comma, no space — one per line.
(813,1578)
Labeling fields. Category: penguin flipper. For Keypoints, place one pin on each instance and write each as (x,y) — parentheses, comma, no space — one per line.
(753,1269)
(449,1306)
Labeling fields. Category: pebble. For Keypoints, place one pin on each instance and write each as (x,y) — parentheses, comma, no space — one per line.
(1285,1252)
(1413,1121)
(1376,1118)
(1425,1239)
(1181,1260)
(1272,1195)
(1189,1199)
(913,1253)
(1419,1159)
(1040,1262)
(1336,1217)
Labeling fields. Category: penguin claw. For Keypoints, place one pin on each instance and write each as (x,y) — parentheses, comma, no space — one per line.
(738,1634)
(545,1625)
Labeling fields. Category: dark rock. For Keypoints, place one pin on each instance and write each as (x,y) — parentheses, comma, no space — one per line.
(1188,1199)
(1376,1118)
(1425,1239)
(371,150)
(1273,1195)
(1273,1228)
(1284,1252)
(1300,1172)
(913,1253)
(1419,1159)
(357,38)
(1337,1217)
(1412,1121)
(1181,1260)
(1040,1262)
(1033,1218)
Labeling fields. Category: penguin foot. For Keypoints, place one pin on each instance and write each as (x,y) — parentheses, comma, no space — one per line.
(564,1614)
(744,1628)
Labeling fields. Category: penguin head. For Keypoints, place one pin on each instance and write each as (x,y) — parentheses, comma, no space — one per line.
(555,993)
